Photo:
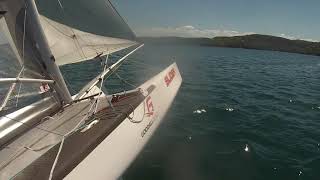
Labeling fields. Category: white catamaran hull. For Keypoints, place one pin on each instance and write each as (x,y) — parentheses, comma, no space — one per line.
(102,147)
(113,156)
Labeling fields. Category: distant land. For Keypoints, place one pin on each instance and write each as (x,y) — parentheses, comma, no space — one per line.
(253,41)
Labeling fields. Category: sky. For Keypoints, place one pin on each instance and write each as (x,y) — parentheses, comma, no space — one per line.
(292,19)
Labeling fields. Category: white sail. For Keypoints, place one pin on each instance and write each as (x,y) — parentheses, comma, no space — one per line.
(70,45)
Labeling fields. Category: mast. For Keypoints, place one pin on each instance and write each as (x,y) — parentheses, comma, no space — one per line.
(28,37)
(47,57)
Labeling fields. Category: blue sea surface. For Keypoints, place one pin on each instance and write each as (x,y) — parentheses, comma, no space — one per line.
(261,118)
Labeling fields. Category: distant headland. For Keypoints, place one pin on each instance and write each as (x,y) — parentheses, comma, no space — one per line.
(253,41)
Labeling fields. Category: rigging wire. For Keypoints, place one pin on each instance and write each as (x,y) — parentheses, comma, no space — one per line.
(29,126)
(145,64)
(102,88)
(102,80)
(62,141)
(123,20)
(124,81)
(9,93)
(60,4)
(95,106)
(27,147)
(81,121)
(118,76)
(23,51)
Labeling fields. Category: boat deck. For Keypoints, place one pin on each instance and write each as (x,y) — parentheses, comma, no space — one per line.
(32,155)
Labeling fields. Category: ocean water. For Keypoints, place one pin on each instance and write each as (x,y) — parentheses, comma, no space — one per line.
(261,120)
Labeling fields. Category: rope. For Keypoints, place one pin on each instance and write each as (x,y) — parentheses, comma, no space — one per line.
(145,64)
(11,89)
(60,4)
(62,141)
(95,105)
(24,124)
(28,147)
(131,118)
(102,80)
(124,81)
(117,13)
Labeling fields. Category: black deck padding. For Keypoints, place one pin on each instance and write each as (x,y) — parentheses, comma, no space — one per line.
(78,145)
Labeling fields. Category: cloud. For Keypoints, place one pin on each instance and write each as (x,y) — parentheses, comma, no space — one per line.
(287,36)
(187,31)
(311,40)
(297,38)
